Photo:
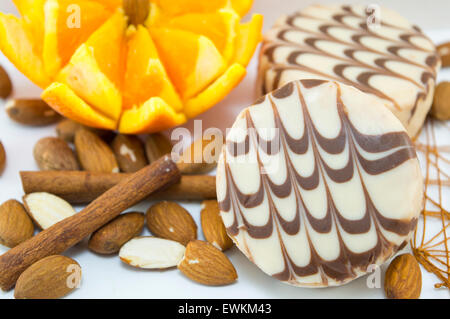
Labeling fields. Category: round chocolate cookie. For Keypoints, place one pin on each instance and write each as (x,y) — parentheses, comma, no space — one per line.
(314,186)
(371,48)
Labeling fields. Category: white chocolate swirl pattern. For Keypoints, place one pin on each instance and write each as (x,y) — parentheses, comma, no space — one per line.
(341,192)
(395,62)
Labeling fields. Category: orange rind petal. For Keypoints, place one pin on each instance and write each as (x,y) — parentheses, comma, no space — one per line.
(62,99)
(242,7)
(18,48)
(153,116)
(68,24)
(248,38)
(215,92)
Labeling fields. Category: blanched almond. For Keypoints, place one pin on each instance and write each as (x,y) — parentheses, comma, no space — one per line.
(47,209)
(151,253)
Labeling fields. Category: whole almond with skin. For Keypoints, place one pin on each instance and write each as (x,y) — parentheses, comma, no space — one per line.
(213,227)
(47,209)
(129,151)
(403,279)
(66,130)
(207,265)
(444,52)
(111,237)
(15,224)
(94,154)
(136,11)
(50,278)
(5,84)
(201,156)
(2,158)
(171,221)
(54,154)
(32,112)
(156,146)
(441,102)
(151,253)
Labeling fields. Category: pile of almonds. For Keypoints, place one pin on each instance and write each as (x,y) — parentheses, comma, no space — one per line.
(174,242)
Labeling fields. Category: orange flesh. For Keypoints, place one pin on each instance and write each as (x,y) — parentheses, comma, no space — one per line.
(92,16)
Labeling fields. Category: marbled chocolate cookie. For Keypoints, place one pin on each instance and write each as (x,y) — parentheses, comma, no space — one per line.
(392,60)
(314,187)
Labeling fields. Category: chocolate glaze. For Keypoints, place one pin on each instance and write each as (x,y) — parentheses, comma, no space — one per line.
(394,148)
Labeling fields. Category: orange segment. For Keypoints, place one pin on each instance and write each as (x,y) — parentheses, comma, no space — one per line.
(219,27)
(68,23)
(215,92)
(62,99)
(153,116)
(176,7)
(192,61)
(145,76)
(248,38)
(18,48)
(95,69)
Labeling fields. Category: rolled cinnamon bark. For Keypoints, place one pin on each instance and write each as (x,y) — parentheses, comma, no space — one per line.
(81,187)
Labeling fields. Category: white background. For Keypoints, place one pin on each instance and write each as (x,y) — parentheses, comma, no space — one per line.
(108,277)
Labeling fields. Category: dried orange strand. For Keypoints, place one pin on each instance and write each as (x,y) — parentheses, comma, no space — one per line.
(432,253)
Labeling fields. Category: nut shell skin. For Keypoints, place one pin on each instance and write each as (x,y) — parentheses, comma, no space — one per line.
(48,278)
(441,102)
(15,224)
(110,238)
(403,278)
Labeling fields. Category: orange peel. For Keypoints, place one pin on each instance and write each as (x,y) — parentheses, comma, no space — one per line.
(98,70)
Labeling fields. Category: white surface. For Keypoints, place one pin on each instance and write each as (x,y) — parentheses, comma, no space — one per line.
(108,277)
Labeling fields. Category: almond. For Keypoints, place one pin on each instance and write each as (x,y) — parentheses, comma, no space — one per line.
(15,224)
(151,253)
(94,154)
(129,152)
(444,52)
(109,238)
(49,278)
(5,84)
(156,146)
(47,209)
(66,130)
(2,158)
(136,11)
(54,154)
(171,221)
(403,278)
(201,156)
(441,102)
(207,265)
(33,112)
(213,227)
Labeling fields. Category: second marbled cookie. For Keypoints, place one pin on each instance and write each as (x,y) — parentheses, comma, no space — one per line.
(391,59)
(314,187)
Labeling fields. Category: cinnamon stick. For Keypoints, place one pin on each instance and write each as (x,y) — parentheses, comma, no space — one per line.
(81,187)
(70,231)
